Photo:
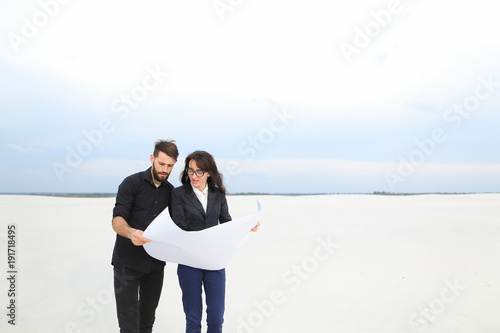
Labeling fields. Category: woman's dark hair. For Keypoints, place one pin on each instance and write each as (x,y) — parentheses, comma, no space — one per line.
(205,162)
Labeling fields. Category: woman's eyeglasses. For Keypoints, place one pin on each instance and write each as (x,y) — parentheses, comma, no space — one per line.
(199,173)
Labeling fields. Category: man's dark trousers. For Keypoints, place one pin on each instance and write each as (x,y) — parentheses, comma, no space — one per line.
(137,295)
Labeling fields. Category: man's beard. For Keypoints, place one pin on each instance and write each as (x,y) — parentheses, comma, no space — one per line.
(158,177)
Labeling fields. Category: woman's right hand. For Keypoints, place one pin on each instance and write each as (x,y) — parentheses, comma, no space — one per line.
(254,229)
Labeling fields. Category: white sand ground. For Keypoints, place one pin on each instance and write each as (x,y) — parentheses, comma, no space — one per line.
(333,263)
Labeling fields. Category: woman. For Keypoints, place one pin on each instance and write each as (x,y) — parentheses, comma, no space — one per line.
(198,204)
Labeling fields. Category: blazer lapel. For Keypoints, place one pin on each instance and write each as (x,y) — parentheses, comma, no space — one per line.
(194,200)
(211,202)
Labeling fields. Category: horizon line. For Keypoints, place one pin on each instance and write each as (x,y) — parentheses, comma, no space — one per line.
(111,194)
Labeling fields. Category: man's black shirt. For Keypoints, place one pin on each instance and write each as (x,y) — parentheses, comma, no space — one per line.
(138,202)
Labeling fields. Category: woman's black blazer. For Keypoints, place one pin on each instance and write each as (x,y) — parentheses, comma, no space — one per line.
(187,212)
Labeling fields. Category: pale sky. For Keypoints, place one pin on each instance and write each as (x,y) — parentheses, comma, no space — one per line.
(289,96)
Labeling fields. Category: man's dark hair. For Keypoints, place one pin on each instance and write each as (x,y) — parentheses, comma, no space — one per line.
(166,146)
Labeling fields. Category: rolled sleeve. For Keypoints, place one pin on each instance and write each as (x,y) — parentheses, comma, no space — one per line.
(124,199)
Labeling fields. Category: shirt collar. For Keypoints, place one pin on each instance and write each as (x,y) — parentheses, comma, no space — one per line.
(198,192)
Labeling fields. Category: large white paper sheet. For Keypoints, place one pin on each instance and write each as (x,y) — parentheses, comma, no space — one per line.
(210,249)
